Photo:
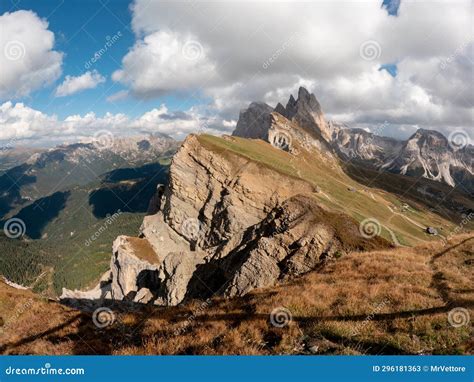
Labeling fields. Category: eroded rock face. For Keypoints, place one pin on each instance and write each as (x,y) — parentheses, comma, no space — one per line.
(130,273)
(293,239)
(222,194)
(254,121)
(226,226)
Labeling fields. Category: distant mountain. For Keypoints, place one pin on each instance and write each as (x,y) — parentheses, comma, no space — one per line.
(11,156)
(426,153)
(72,201)
(77,164)
(365,147)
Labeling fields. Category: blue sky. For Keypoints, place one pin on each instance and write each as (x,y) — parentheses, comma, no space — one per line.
(81,28)
(179,67)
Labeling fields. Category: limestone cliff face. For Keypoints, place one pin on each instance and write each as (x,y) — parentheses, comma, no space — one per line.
(226,226)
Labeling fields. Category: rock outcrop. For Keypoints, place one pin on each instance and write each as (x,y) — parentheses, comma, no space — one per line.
(304,112)
(226,226)
(426,153)
(254,121)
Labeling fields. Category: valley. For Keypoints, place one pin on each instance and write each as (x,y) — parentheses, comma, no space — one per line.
(268,241)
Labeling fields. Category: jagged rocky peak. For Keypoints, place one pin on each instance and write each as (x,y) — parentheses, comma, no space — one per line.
(364,146)
(430,139)
(304,112)
(428,153)
(254,122)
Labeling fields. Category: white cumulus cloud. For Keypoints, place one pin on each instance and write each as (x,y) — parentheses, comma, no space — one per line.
(265,50)
(23,124)
(72,85)
(165,61)
(28,60)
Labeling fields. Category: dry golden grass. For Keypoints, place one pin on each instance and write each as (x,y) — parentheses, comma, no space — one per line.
(143,249)
(381,302)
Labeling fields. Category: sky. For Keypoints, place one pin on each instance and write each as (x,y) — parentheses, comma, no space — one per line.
(72,69)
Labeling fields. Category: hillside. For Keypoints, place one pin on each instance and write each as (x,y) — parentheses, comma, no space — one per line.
(398,224)
(77,200)
(397,301)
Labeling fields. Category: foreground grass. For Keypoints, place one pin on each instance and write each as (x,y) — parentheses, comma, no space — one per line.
(382,302)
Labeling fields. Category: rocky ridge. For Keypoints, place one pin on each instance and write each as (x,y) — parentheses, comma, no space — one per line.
(225,226)
(426,153)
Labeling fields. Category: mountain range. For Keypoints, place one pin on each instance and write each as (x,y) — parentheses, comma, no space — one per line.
(281,238)
(427,153)
(63,196)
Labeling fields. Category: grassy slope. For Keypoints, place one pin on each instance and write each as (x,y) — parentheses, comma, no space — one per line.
(363,203)
(62,252)
(382,302)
